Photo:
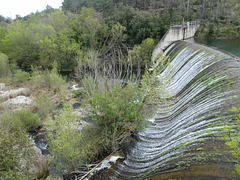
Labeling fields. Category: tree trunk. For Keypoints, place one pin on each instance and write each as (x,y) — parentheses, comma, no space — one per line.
(224,6)
(211,9)
(202,8)
(184,7)
(217,10)
(188,4)
(205,9)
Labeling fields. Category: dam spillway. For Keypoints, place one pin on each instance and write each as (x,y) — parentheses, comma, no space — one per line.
(186,138)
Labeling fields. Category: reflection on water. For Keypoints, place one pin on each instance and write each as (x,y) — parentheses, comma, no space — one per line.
(232,46)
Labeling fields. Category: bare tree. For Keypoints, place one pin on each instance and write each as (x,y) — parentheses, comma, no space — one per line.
(203,8)
(217,9)
(211,9)
(224,6)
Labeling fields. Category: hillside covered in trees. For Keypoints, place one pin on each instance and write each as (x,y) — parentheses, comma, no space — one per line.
(108,26)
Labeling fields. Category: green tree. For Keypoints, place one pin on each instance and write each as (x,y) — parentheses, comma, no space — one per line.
(141,54)
(16,155)
(4,66)
(19,44)
(68,145)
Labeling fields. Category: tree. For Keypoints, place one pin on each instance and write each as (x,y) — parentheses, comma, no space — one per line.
(21,42)
(68,145)
(141,54)
(16,155)
(4,66)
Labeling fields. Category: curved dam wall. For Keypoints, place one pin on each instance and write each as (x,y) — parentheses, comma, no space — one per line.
(185,139)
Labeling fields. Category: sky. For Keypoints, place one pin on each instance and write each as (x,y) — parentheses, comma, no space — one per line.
(11,8)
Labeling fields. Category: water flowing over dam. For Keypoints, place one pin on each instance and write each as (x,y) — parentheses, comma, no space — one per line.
(186,138)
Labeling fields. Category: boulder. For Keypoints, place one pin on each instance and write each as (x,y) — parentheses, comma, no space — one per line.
(74,87)
(21,101)
(2,86)
(13,93)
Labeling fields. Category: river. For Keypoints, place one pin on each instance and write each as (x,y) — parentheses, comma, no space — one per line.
(232,46)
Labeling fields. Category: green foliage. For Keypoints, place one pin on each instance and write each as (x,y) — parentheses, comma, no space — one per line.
(90,28)
(44,105)
(15,155)
(21,120)
(4,67)
(50,79)
(61,46)
(3,32)
(117,113)
(141,54)
(29,119)
(154,86)
(234,139)
(21,76)
(54,80)
(119,110)
(18,44)
(140,25)
(68,146)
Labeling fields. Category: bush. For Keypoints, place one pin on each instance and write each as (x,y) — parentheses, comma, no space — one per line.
(234,138)
(141,54)
(44,105)
(117,113)
(4,67)
(23,119)
(30,120)
(16,155)
(11,122)
(68,146)
(49,79)
(21,76)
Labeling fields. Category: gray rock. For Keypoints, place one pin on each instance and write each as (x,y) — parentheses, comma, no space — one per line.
(13,93)
(19,101)
(74,87)
(2,86)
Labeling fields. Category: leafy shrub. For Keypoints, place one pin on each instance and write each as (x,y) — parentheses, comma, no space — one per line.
(4,67)
(234,140)
(11,122)
(29,119)
(141,54)
(23,119)
(15,155)
(117,113)
(55,80)
(68,146)
(50,79)
(44,105)
(21,76)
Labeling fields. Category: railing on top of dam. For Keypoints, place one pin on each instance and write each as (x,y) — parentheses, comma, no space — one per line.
(187,23)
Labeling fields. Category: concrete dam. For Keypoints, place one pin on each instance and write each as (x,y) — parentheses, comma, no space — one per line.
(186,138)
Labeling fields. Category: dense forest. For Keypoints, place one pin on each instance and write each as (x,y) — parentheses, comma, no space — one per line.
(65,36)
(104,46)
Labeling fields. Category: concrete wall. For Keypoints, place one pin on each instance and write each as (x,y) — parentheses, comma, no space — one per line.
(175,33)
